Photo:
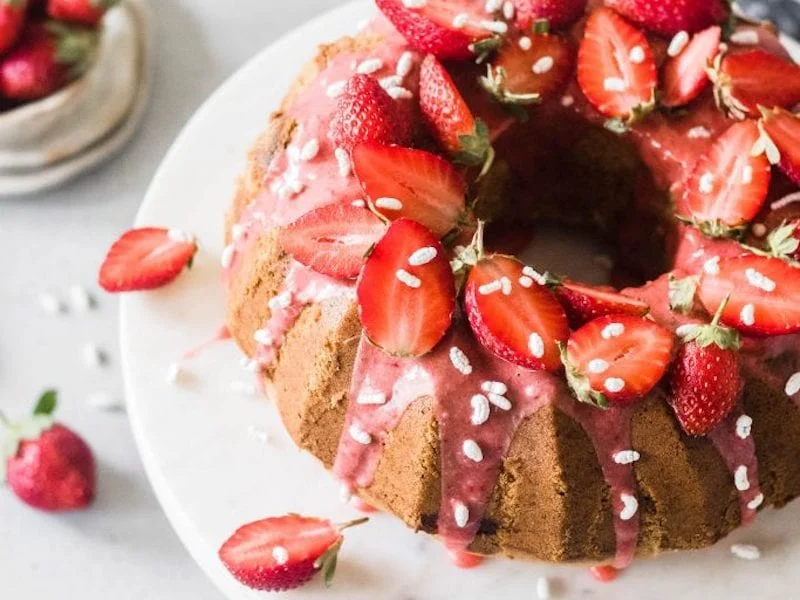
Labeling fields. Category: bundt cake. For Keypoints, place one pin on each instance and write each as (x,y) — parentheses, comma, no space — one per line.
(372,282)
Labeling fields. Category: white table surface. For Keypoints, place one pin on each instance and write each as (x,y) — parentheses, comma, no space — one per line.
(123,547)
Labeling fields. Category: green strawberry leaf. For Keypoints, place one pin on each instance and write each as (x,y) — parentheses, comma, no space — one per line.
(682,293)
(781,242)
(579,383)
(47,403)
(328,561)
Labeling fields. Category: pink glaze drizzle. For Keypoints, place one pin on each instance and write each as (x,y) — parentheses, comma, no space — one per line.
(222,334)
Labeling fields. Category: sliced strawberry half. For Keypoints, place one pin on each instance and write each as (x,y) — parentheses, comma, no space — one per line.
(558,13)
(728,185)
(334,239)
(763,292)
(616,67)
(415,184)
(406,292)
(617,359)
(145,259)
(584,302)
(530,68)
(783,128)
(743,81)
(444,28)
(512,315)
(448,116)
(670,17)
(684,77)
(283,553)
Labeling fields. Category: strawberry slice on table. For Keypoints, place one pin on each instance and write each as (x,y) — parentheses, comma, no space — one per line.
(145,259)
(365,112)
(406,291)
(559,13)
(12,21)
(445,28)
(705,377)
(617,359)
(85,12)
(512,315)
(334,239)
(728,185)
(763,293)
(530,68)
(783,128)
(669,17)
(743,81)
(449,118)
(684,77)
(283,553)
(584,302)
(616,67)
(414,184)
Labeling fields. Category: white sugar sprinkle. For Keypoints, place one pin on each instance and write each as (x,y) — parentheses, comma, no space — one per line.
(408,279)
(400,93)
(567,100)
(505,285)
(614,84)
(508,10)
(744,425)
(785,201)
(174,374)
(741,479)
(759,280)
(92,356)
(746,551)
(494,26)
(359,203)
(472,450)
(389,203)
(263,337)
(343,161)
(698,132)
(630,506)
(792,384)
(543,65)
(637,55)
(543,588)
(391,81)
(536,345)
(245,388)
(252,366)
(80,299)
(310,150)
(757,501)
(626,457)
(678,43)
(748,314)
(460,361)
(461,514)
(490,288)
(493,6)
(598,365)
(369,66)
(281,301)
(422,256)
(227,256)
(405,63)
(237,232)
(105,401)
(612,330)
(50,304)
(525,281)
(280,554)
(495,387)
(711,266)
(759,230)
(460,20)
(525,43)
(614,384)
(335,89)
(534,274)
(706,183)
(371,397)
(480,409)
(359,435)
(745,37)
(500,401)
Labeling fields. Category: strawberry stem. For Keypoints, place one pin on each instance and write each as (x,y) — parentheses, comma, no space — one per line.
(354,523)
(720,310)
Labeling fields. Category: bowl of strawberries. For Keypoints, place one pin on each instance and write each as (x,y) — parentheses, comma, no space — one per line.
(73,81)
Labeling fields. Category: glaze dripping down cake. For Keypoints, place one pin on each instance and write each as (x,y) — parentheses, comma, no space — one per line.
(372,283)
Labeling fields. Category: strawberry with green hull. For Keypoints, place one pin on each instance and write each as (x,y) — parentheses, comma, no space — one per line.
(617,359)
(46,465)
(333,240)
(685,77)
(283,553)
(48,56)
(584,303)
(705,379)
(670,17)
(558,13)
(783,129)
(12,21)
(84,12)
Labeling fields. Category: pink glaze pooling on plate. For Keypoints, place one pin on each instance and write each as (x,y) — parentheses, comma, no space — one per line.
(221,334)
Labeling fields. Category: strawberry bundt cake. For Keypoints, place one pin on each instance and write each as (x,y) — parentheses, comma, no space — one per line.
(372,278)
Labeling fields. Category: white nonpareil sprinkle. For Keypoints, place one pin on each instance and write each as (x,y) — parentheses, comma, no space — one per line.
(748,314)
(252,366)
(174,373)
(490,288)
(745,37)
(759,280)
(757,501)
(500,401)
(281,301)
(480,409)
(389,203)
(391,81)
(508,10)
(245,388)
(359,203)
(706,183)
(747,175)
(80,299)
(335,89)
(630,506)
(494,387)
(744,426)
(343,161)
(237,232)
(711,266)
(371,397)
(310,150)
(405,63)
(408,279)
(422,256)
(369,66)
(461,514)
(359,435)
(534,274)
(494,26)
(614,384)
(257,434)
(612,330)
(698,132)
(50,304)
(263,337)
(759,230)
(678,43)
(472,451)
(543,65)
(685,329)
(543,588)
(460,361)
(399,93)
(626,457)
(280,554)
(415,3)
(460,20)
(741,479)
(598,365)
(614,84)
(567,100)
(792,384)
(92,355)
(227,256)
(525,281)
(505,285)
(536,345)
(746,551)
(105,401)
(525,43)
(492,6)
(636,55)
(785,201)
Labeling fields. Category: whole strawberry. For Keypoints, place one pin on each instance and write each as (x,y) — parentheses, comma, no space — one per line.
(705,379)
(284,553)
(12,20)
(48,56)
(668,17)
(46,465)
(85,12)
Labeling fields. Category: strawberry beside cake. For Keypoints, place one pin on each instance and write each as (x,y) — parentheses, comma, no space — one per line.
(372,280)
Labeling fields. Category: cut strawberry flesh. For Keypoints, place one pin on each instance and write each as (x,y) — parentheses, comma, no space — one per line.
(763,293)
(541,65)
(783,129)
(584,303)
(333,240)
(623,357)
(757,78)
(685,76)
(407,183)
(406,292)
(513,316)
